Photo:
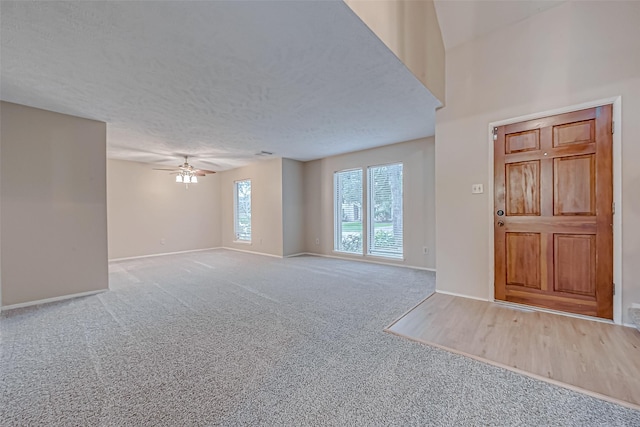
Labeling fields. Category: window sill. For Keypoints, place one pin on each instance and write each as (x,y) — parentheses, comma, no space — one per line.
(335,251)
(399,258)
(242,242)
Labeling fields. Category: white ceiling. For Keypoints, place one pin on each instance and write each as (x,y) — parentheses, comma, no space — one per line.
(219,80)
(464,20)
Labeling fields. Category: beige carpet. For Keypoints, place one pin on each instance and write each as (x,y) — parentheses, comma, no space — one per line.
(226,338)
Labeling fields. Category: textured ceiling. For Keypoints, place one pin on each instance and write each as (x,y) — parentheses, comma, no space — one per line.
(464,20)
(219,81)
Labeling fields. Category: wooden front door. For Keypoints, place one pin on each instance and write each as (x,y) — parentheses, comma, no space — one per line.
(553,218)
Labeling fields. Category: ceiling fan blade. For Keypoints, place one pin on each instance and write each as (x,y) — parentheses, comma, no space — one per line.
(204,171)
(164,169)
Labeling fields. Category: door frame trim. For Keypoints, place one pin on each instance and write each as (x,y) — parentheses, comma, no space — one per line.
(616,101)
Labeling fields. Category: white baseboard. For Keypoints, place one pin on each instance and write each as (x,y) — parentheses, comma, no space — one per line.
(251,252)
(370,261)
(298,254)
(163,254)
(54,299)
(277,256)
(454,294)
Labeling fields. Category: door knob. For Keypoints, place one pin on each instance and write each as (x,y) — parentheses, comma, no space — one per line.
(500,223)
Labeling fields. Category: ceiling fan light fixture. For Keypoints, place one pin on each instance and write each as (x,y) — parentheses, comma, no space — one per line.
(187,174)
(186,177)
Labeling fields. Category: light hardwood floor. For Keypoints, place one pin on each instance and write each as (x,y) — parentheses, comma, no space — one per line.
(597,358)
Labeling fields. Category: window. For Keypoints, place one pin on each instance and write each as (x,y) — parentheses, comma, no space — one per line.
(348,211)
(242,210)
(383,214)
(385,210)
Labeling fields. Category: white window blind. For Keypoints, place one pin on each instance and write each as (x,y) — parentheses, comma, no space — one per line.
(385,210)
(348,211)
(242,210)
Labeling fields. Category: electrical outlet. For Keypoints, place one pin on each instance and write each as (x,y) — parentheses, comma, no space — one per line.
(317,241)
(162,241)
(477,189)
(425,250)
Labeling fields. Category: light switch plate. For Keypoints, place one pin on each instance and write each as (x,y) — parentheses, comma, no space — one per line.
(477,189)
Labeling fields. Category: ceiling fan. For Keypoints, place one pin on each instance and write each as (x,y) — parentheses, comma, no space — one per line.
(185,173)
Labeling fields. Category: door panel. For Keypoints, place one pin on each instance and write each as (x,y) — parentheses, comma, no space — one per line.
(553,212)
(575,185)
(574,133)
(572,254)
(523,259)
(523,141)
(523,183)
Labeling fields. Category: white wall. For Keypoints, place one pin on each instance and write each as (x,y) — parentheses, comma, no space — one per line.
(53,203)
(411,31)
(149,213)
(266,206)
(419,210)
(574,53)
(293,207)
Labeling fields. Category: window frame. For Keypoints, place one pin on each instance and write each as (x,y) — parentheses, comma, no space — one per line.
(370,250)
(337,213)
(236,219)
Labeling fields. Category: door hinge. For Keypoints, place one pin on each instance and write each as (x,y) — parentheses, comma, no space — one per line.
(613,127)
(613,207)
(614,288)
(495,134)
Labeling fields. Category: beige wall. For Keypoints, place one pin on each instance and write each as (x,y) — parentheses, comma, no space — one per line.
(149,213)
(266,206)
(314,208)
(410,29)
(293,207)
(574,53)
(53,203)
(419,210)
